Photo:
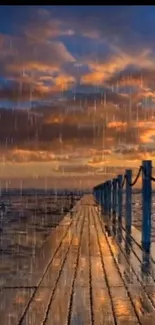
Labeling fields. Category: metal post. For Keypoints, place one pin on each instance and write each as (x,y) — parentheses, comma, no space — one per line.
(114,196)
(128,211)
(120,198)
(146,204)
(99,191)
(109,198)
(102,197)
(105,197)
(114,200)
(94,193)
(98,195)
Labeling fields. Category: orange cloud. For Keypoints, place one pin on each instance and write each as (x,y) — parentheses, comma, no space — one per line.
(117,124)
(147,136)
(33,63)
(147,131)
(101,72)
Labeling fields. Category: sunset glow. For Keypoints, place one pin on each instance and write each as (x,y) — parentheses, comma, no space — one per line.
(77,93)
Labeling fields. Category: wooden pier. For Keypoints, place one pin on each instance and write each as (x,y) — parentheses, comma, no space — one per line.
(85,273)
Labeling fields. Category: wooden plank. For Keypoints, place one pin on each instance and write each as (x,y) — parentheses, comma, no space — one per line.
(113,276)
(80,313)
(125,314)
(59,310)
(123,308)
(102,310)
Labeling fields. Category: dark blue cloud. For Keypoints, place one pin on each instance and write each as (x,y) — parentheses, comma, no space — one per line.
(99,34)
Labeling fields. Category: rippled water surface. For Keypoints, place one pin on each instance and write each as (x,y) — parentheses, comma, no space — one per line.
(25,223)
(137,212)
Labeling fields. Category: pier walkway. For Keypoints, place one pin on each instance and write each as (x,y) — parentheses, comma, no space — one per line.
(85,273)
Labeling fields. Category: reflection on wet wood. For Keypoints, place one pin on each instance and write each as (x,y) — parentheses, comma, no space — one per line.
(123,311)
(80,313)
(59,309)
(102,310)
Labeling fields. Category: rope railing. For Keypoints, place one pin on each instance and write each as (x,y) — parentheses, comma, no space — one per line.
(110,196)
(148,175)
(126,179)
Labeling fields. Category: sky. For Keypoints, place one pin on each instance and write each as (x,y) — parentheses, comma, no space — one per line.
(77,93)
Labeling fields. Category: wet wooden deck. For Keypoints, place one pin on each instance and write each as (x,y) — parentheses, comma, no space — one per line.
(83,275)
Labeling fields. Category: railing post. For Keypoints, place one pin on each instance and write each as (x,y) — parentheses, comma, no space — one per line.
(94,192)
(128,211)
(103,194)
(119,202)
(114,201)
(98,195)
(114,188)
(107,191)
(102,197)
(120,197)
(146,204)
(105,198)
(109,198)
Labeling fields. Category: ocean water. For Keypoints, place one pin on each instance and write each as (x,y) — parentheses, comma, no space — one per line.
(25,223)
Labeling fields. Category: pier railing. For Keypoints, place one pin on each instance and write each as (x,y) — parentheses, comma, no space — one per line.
(110,196)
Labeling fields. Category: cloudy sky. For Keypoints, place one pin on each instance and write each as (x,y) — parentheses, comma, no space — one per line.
(77,93)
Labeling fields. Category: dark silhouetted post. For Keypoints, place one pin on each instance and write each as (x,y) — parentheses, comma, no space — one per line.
(120,198)
(106,197)
(109,198)
(114,193)
(128,210)
(102,195)
(98,194)
(146,204)
(114,201)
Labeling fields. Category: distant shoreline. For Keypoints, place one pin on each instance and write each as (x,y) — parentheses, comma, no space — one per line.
(31,191)
(53,192)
